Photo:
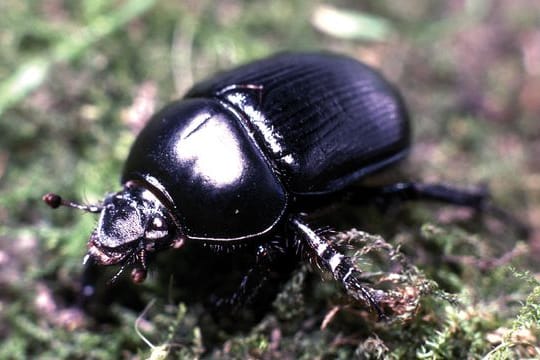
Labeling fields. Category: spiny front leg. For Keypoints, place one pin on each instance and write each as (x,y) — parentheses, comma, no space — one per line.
(340,266)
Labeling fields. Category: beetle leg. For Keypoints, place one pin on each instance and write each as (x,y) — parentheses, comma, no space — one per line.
(403,191)
(263,268)
(256,276)
(340,266)
(474,198)
(248,289)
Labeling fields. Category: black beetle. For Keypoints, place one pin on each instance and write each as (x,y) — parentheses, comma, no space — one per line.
(246,154)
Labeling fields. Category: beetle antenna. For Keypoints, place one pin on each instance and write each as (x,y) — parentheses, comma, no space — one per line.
(340,266)
(55,201)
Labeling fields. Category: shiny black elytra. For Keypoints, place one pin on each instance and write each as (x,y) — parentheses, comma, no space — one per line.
(246,154)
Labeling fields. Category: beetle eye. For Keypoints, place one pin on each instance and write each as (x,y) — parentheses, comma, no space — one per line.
(157,228)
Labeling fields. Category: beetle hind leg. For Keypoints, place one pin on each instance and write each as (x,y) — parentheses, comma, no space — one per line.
(340,266)
(474,198)
(478,198)
(405,191)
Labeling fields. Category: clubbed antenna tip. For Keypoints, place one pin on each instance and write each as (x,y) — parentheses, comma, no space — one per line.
(55,201)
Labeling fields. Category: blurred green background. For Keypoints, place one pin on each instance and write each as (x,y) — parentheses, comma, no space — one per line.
(79,79)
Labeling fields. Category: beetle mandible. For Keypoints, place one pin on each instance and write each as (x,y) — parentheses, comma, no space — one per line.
(246,154)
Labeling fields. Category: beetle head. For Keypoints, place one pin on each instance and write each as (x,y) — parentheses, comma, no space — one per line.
(132,224)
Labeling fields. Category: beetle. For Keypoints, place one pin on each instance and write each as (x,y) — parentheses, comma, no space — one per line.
(246,155)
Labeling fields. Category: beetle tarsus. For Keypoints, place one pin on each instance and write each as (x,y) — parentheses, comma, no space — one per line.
(355,287)
(340,266)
